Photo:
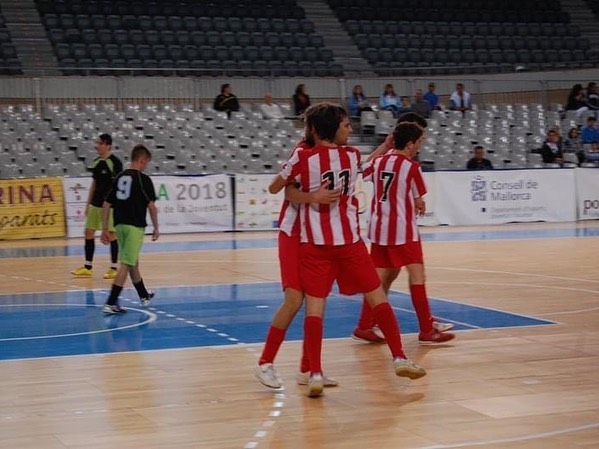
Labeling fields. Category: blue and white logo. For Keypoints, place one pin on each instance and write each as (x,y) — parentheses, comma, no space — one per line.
(478,188)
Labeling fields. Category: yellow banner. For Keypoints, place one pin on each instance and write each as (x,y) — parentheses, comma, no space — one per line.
(31,208)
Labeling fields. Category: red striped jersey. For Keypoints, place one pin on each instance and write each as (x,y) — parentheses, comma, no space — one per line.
(289,221)
(397,181)
(327,224)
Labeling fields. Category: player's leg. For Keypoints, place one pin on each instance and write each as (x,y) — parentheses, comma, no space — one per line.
(429,334)
(130,251)
(114,249)
(93,223)
(313,331)
(112,303)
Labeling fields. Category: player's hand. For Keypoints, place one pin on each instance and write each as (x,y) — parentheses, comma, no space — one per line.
(324,195)
(105,237)
(420,206)
(155,234)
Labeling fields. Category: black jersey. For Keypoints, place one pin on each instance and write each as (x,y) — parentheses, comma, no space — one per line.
(104,171)
(131,192)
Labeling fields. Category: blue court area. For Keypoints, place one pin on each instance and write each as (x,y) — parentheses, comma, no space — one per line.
(72,323)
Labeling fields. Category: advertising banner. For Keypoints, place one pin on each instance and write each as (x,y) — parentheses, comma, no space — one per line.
(506,196)
(587,193)
(194,204)
(76,191)
(31,208)
(255,207)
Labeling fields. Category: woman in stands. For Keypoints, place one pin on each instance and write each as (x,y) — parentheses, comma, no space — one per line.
(226,101)
(357,102)
(301,100)
(389,100)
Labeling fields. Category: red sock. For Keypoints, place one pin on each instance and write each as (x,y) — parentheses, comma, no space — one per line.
(313,339)
(366,320)
(384,316)
(423,311)
(273,342)
(305,363)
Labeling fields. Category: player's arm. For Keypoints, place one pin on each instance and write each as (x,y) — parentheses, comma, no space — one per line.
(387,144)
(154,218)
(286,176)
(277,184)
(105,237)
(324,195)
(418,190)
(90,195)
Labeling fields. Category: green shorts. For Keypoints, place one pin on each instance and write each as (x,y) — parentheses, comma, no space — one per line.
(94,219)
(130,239)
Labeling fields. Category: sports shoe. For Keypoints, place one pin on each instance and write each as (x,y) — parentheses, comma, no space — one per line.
(435,338)
(407,368)
(82,272)
(440,326)
(113,309)
(315,385)
(304,379)
(110,274)
(366,335)
(268,376)
(148,299)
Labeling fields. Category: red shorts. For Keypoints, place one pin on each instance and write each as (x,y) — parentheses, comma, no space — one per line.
(349,265)
(396,256)
(289,261)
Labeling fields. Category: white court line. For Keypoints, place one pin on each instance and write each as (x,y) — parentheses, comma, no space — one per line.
(151,318)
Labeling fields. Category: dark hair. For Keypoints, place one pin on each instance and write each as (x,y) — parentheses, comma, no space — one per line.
(140,151)
(223,87)
(412,117)
(299,89)
(105,138)
(592,118)
(479,147)
(405,133)
(572,130)
(324,119)
(358,95)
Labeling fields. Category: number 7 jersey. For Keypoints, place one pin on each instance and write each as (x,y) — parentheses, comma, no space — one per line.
(397,181)
(327,224)
(131,192)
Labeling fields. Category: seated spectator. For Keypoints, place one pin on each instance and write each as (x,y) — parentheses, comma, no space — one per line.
(421,106)
(269,109)
(226,101)
(577,100)
(405,105)
(573,144)
(590,133)
(432,97)
(592,96)
(460,100)
(301,100)
(389,100)
(591,152)
(479,162)
(552,149)
(357,102)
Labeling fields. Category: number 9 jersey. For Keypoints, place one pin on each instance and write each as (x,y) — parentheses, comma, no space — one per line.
(131,192)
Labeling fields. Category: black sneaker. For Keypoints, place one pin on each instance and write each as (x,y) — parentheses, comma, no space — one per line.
(148,299)
(114,309)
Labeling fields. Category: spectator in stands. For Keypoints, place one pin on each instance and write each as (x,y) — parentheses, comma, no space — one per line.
(460,100)
(479,162)
(301,100)
(577,100)
(432,97)
(592,96)
(590,133)
(405,105)
(573,144)
(389,100)
(551,151)
(421,106)
(357,102)
(226,101)
(269,109)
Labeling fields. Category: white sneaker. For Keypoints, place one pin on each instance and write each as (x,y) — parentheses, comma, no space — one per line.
(268,376)
(148,299)
(407,368)
(442,327)
(315,385)
(304,379)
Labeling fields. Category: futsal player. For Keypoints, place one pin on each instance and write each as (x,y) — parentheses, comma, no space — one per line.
(132,196)
(366,329)
(105,167)
(331,245)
